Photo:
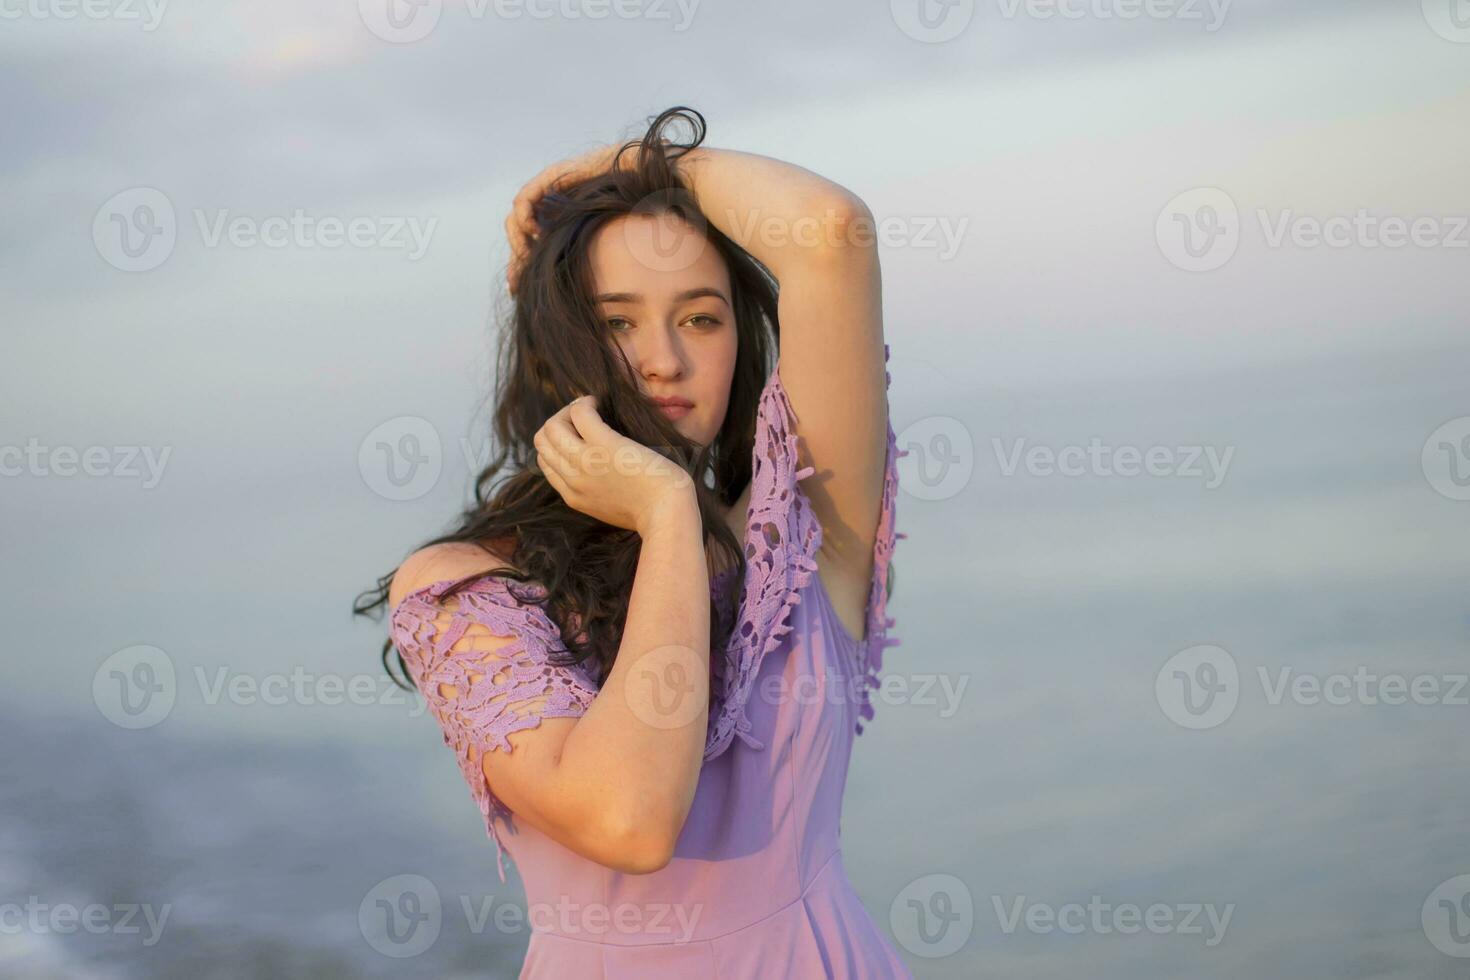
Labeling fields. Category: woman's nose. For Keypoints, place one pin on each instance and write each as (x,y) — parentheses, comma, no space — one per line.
(660,356)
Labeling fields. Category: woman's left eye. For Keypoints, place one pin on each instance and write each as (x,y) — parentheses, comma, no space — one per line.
(710,321)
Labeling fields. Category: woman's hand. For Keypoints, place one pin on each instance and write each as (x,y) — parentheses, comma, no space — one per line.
(520,225)
(602,473)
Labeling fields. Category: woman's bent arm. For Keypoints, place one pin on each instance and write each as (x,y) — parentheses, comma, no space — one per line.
(616,784)
(641,744)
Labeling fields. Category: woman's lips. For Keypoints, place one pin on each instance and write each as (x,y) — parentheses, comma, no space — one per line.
(673,406)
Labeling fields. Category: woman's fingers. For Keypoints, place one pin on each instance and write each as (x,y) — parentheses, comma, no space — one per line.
(560,436)
(559,441)
(523,206)
(551,469)
(560,483)
(521,210)
(514,232)
(584,415)
(513,274)
(521,231)
(520,225)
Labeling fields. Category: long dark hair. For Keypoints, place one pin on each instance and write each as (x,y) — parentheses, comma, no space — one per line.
(555,349)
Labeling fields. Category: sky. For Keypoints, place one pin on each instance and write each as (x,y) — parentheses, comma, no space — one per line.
(1177,311)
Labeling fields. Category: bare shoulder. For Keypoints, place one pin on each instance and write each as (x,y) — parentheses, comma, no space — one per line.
(440,562)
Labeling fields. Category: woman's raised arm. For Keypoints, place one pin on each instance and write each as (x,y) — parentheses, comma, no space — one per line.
(819,240)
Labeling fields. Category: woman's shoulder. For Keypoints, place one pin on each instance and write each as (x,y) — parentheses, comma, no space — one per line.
(450,600)
(445,562)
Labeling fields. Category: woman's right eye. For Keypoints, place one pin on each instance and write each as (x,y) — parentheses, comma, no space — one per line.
(615,320)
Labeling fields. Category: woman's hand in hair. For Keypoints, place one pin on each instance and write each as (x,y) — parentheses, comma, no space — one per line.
(602,473)
(520,225)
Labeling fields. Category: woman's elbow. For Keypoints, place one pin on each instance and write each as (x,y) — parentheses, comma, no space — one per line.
(639,850)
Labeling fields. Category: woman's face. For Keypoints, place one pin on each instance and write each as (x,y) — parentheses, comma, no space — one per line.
(664,295)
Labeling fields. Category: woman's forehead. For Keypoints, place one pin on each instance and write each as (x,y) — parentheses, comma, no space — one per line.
(655,260)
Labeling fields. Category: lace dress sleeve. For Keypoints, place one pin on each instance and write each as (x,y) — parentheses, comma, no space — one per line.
(879,623)
(781,543)
(480,688)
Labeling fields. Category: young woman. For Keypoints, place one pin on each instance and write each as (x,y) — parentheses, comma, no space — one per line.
(652,646)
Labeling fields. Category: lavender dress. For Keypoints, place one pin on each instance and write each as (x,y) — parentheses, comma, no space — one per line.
(757,887)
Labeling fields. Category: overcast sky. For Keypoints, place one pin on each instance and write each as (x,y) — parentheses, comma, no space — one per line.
(1100,240)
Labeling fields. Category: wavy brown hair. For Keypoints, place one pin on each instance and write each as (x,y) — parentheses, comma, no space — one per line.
(555,348)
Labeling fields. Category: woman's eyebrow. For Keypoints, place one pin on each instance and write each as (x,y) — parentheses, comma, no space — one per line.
(683,297)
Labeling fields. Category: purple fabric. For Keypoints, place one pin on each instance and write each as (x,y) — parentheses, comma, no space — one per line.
(757,886)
